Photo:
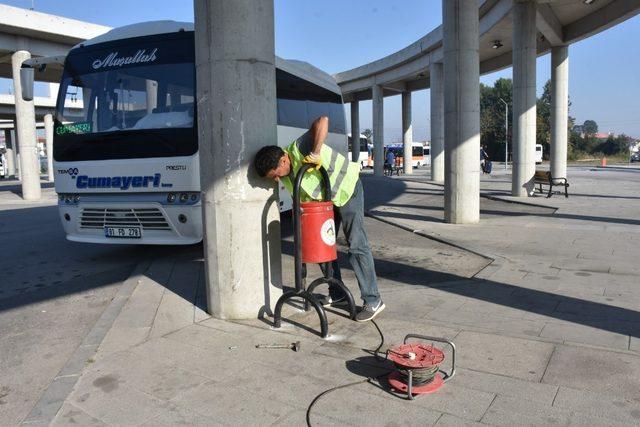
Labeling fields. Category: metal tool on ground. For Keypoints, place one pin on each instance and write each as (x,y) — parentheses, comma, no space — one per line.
(417,366)
(295,346)
(314,235)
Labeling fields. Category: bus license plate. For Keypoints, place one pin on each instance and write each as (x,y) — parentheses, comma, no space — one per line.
(123,232)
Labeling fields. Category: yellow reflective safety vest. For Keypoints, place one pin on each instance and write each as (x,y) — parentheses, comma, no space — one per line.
(343,175)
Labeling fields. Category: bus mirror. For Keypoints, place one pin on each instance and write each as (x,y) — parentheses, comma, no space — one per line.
(26,82)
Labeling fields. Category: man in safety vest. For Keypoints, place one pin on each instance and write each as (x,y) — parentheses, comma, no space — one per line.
(346,193)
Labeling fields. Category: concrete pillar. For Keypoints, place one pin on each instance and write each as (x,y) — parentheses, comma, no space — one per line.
(10,155)
(355,131)
(16,150)
(152,95)
(407,132)
(378,129)
(437,122)
(559,110)
(48,132)
(26,129)
(461,111)
(236,93)
(524,97)
(53,89)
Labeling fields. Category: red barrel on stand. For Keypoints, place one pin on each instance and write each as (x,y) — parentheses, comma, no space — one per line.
(318,232)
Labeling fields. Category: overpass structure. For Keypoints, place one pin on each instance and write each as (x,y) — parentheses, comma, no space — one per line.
(477,37)
(25,34)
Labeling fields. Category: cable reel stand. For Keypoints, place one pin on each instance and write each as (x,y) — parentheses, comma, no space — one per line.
(417,366)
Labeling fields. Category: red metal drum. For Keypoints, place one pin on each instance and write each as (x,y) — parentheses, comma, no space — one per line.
(318,232)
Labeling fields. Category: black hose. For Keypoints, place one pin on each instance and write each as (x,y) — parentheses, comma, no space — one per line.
(379,358)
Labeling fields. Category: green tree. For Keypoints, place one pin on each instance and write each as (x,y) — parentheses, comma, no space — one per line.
(367,134)
(590,127)
(543,118)
(492,112)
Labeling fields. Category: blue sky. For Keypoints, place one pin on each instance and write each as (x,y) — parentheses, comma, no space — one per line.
(339,35)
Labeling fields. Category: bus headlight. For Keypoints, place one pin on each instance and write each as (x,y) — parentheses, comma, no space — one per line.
(184,197)
(171,198)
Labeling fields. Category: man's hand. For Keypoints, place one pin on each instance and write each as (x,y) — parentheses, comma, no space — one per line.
(313,159)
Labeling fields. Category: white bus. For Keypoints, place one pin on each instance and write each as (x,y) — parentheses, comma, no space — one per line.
(417,151)
(126,163)
(539,152)
(363,157)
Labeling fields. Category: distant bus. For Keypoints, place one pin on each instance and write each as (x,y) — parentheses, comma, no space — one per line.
(363,157)
(538,155)
(417,151)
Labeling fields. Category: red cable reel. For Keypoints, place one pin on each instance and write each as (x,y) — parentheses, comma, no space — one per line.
(418,366)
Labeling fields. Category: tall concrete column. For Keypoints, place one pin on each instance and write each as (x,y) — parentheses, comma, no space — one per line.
(26,130)
(235,71)
(10,154)
(524,97)
(407,132)
(53,89)
(437,121)
(461,111)
(559,110)
(48,132)
(16,150)
(355,131)
(378,129)
(152,95)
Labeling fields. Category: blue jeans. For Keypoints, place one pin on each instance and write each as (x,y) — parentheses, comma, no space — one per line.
(351,217)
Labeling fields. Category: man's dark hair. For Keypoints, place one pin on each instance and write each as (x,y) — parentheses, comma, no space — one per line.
(267,159)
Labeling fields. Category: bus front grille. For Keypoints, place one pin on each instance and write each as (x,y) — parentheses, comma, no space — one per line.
(147,218)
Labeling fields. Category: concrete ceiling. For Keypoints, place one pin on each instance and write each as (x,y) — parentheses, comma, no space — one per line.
(559,22)
(41,34)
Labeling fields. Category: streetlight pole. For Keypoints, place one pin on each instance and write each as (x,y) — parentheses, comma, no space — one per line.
(506,133)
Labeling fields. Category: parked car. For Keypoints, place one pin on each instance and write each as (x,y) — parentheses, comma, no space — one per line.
(635,157)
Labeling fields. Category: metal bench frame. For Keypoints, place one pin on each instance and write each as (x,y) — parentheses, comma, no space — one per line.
(551,182)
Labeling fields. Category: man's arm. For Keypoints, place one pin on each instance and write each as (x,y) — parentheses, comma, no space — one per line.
(319,130)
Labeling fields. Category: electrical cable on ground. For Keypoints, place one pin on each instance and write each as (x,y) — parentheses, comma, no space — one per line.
(379,358)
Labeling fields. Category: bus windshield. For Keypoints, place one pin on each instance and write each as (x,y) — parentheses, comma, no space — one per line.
(132,100)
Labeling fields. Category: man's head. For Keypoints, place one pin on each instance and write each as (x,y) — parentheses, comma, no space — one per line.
(272,162)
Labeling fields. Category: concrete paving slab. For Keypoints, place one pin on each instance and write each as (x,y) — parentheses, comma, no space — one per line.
(299,418)
(363,408)
(503,355)
(106,399)
(590,369)
(507,411)
(447,420)
(70,414)
(506,385)
(598,404)
(52,399)
(173,416)
(460,401)
(486,322)
(123,338)
(573,332)
(177,307)
(394,331)
(191,358)
(232,406)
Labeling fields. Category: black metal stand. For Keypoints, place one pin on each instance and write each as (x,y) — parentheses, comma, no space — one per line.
(300,269)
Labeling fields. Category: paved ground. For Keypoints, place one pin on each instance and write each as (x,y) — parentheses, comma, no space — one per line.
(51,294)
(547,332)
